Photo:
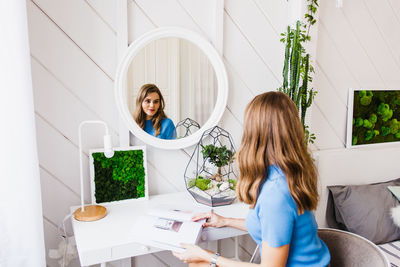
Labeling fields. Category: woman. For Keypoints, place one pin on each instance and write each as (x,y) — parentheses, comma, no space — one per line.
(149,113)
(279,181)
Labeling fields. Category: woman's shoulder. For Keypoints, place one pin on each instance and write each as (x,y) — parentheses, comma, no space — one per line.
(275,189)
(275,179)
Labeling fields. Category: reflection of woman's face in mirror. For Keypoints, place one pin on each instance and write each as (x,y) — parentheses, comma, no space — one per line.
(149,113)
(151,104)
(185,78)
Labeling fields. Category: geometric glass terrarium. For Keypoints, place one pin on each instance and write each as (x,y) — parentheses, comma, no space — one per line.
(210,175)
(186,127)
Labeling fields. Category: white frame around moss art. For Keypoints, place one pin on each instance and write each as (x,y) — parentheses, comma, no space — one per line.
(93,186)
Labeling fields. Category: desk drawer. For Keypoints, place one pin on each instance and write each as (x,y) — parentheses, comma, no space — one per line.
(95,256)
(212,234)
(131,250)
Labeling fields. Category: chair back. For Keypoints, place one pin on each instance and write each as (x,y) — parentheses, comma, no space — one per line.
(348,249)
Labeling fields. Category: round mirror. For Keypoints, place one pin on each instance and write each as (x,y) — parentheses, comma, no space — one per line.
(170,87)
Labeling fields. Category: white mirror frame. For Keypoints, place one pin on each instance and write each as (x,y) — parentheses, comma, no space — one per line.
(121,83)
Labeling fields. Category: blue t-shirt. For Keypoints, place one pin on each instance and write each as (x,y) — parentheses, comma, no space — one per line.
(167,129)
(275,220)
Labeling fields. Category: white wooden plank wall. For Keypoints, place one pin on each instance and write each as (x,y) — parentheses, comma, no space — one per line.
(356,48)
(73,49)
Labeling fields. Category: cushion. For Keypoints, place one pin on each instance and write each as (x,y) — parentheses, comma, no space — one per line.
(395,191)
(365,210)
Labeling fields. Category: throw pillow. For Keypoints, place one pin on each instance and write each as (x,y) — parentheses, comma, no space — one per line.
(365,210)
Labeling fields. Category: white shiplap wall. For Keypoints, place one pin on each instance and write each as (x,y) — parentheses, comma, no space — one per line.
(73,49)
(356,48)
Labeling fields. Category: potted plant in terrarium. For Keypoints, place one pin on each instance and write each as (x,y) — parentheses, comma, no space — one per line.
(210,176)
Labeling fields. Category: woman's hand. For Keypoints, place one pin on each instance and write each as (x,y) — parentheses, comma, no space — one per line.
(212,219)
(193,254)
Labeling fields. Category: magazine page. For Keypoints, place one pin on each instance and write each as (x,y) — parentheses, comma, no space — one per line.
(167,228)
(181,213)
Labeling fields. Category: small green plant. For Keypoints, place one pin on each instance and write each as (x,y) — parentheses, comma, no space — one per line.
(218,156)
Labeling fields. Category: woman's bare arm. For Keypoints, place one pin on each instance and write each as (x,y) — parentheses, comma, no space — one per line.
(215,220)
(271,257)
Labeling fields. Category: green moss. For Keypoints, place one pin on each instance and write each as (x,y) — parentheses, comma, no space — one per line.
(367,124)
(191,183)
(368,135)
(203,184)
(373,118)
(359,122)
(385,111)
(120,177)
(394,126)
(381,118)
(365,97)
(354,141)
(233,182)
(385,131)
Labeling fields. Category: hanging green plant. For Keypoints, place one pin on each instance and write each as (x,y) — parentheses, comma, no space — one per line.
(297,68)
(120,177)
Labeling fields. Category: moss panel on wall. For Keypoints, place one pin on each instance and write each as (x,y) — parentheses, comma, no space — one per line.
(120,177)
(376,117)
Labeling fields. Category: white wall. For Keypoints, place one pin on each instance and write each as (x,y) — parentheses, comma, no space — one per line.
(356,48)
(73,50)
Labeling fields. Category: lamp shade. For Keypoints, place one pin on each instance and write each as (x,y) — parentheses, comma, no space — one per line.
(108,151)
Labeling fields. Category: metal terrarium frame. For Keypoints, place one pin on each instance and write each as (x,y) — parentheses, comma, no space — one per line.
(190,126)
(221,192)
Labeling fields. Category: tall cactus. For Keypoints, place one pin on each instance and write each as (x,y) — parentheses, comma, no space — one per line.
(297,67)
(296,74)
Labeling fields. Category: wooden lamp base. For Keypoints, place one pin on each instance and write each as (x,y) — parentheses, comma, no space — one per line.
(91,213)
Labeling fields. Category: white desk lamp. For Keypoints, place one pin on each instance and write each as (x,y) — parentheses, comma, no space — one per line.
(92,212)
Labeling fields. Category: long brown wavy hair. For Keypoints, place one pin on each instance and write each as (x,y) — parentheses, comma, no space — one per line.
(273,134)
(140,116)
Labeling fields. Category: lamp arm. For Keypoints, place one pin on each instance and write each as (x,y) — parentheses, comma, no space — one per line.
(81,156)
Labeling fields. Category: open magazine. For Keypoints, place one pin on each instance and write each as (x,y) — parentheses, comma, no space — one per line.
(166,228)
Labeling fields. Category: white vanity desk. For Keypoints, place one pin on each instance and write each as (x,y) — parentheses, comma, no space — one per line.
(110,238)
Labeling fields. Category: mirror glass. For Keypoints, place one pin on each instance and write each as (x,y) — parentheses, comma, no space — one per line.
(186,79)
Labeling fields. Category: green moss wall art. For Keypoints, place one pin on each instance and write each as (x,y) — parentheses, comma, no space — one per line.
(373,117)
(122,177)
